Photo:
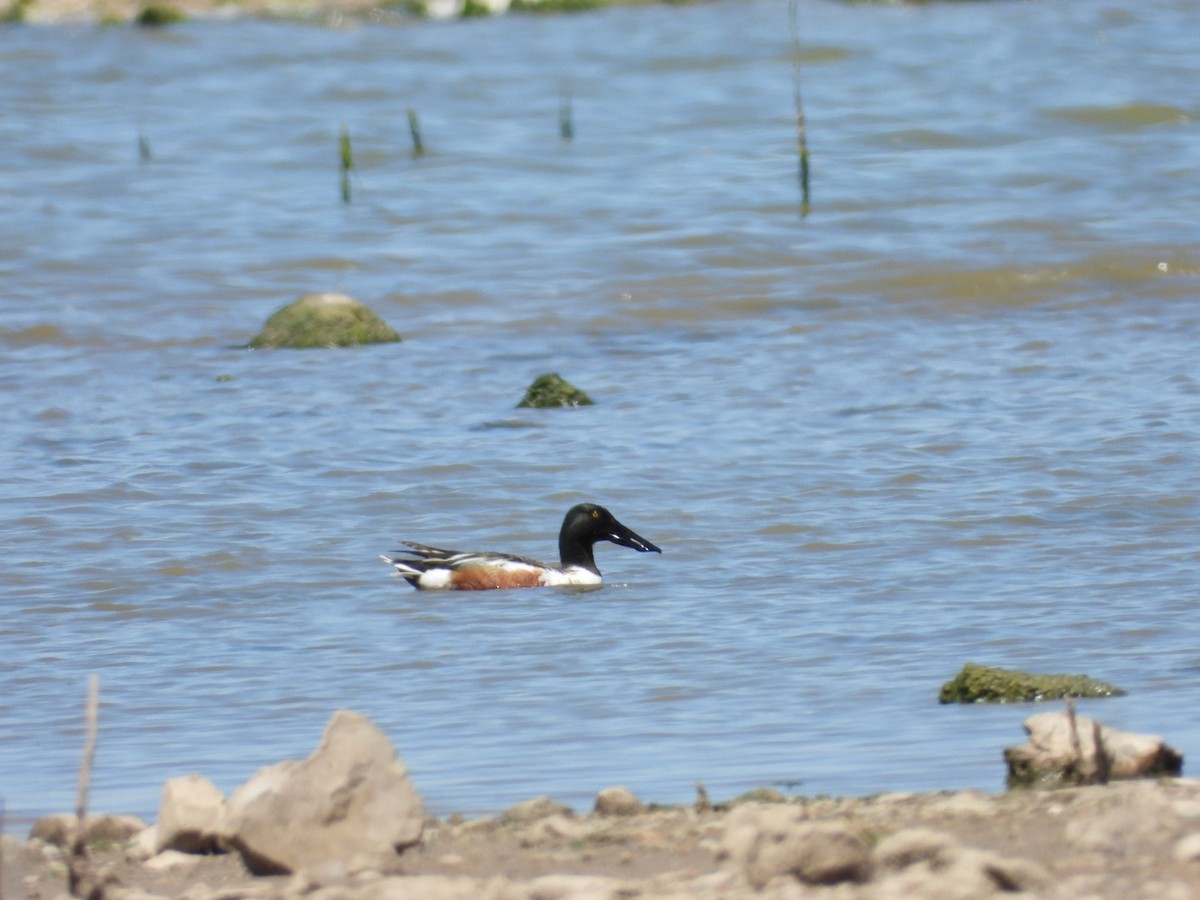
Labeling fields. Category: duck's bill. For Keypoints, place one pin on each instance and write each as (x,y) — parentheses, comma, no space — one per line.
(626,538)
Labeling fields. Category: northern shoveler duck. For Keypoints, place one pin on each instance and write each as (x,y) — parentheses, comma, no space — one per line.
(430,568)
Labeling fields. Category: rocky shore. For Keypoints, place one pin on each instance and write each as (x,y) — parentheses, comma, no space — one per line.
(1136,839)
(166,12)
(347,824)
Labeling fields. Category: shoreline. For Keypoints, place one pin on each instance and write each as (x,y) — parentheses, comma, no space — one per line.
(157,13)
(1125,839)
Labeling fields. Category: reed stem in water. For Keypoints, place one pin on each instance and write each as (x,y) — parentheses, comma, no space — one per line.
(414,127)
(801,127)
(347,158)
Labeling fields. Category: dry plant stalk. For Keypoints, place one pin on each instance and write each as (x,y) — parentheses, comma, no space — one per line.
(2,823)
(1098,770)
(81,880)
(1103,762)
(1076,747)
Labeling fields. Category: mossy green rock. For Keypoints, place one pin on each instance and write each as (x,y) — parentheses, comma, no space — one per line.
(156,15)
(552,390)
(324,320)
(984,684)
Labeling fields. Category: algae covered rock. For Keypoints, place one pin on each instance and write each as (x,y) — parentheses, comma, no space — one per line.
(323,320)
(553,390)
(984,684)
(156,15)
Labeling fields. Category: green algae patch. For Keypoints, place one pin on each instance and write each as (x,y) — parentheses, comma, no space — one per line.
(323,320)
(985,684)
(17,11)
(552,390)
(157,15)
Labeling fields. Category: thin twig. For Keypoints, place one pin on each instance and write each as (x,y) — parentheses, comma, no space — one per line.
(79,876)
(1076,747)
(1102,759)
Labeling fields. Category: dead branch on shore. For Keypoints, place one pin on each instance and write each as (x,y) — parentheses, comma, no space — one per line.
(82,880)
(2,848)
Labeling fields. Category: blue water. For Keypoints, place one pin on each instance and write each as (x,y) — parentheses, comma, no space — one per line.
(951,415)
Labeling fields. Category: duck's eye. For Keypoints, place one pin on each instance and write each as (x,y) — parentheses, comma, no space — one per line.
(595,513)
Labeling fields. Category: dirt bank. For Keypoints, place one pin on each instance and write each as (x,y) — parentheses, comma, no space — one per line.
(1136,839)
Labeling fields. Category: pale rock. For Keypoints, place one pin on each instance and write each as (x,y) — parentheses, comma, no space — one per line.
(1187,849)
(971,803)
(575,887)
(54,829)
(59,828)
(1055,750)
(431,887)
(617,801)
(893,798)
(112,829)
(1138,819)
(915,846)
(124,893)
(350,806)
(1187,809)
(552,829)
(769,841)
(1010,875)
(940,871)
(171,861)
(144,844)
(12,866)
(190,816)
(532,810)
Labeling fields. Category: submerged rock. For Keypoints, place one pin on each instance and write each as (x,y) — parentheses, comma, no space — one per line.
(552,390)
(985,684)
(323,320)
(156,15)
(1066,749)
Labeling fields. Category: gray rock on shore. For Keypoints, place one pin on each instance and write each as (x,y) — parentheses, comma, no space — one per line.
(58,829)
(349,807)
(190,816)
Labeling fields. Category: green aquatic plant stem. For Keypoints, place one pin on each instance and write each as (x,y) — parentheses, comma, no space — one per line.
(566,124)
(798,102)
(414,128)
(347,162)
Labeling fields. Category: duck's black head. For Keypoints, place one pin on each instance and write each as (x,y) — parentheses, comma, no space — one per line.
(589,523)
